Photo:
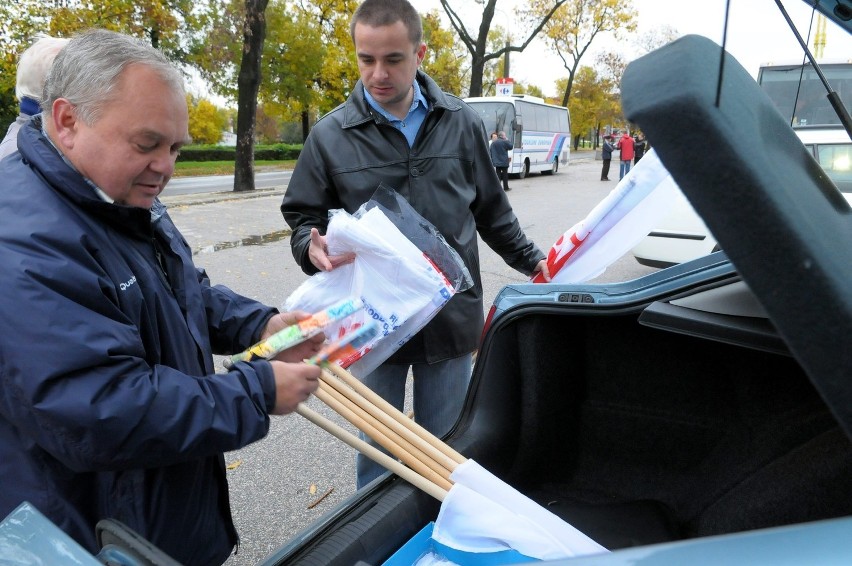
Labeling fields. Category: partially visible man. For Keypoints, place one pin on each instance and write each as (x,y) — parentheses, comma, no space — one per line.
(606,156)
(398,128)
(110,406)
(500,158)
(32,69)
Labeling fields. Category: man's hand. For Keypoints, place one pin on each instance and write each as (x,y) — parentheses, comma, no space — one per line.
(541,267)
(318,253)
(294,383)
(300,351)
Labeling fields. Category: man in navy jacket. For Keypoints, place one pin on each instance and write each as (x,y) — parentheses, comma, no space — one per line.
(109,403)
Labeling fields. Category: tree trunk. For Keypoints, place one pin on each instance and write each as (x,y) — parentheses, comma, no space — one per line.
(248,82)
(477,67)
(306,125)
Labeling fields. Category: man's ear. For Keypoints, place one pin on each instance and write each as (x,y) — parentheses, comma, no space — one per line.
(421,53)
(63,122)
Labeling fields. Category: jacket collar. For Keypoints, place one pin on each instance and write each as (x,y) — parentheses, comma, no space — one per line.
(356,111)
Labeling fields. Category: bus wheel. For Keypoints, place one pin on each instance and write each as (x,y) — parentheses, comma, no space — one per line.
(554,167)
(525,170)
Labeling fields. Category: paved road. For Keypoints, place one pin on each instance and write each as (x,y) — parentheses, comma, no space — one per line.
(219,183)
(241,241)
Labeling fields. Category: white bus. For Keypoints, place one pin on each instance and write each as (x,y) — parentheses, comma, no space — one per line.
(801,97)
(539,132)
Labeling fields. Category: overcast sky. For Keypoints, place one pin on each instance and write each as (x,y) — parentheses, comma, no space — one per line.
(757,33)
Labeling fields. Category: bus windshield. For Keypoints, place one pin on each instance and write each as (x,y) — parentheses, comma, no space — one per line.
(808,105)
(497,117)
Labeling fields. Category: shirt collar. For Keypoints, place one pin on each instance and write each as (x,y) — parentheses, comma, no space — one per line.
(418,99)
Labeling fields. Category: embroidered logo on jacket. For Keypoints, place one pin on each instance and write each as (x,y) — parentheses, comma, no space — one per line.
(124,286)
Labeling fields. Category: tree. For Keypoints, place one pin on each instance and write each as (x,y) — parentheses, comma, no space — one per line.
(338,73)
(248,84)
(477,45)
(292,60)
(590,103)
(205,120)
(656,38)
(445,57)
(573,28)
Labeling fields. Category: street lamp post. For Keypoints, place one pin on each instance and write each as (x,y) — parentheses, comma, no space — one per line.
(508,43)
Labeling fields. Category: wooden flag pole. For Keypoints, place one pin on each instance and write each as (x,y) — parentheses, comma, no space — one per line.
(373,453)
(327,397)
(441,460)
(397,415)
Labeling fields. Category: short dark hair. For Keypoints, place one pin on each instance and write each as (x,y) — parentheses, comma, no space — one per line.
(377,13)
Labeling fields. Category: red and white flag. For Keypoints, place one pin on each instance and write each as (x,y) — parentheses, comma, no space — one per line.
(630,211)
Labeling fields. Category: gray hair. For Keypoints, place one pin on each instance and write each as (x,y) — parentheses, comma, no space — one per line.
(34,64)
(88,70)
(377,13)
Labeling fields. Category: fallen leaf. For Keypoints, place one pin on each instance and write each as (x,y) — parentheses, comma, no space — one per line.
(313,489)
(234,465)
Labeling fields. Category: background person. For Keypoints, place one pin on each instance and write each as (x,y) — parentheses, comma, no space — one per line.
(606,155)
(625,147)
(109,403)
(639,147)
(399,128)
(32,69)
(499,150)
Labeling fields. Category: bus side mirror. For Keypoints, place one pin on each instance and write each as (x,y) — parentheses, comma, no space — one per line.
(518,124)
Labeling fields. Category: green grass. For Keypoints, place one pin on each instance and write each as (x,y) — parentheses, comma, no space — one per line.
(191,168)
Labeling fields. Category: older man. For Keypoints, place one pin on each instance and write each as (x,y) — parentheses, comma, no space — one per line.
(109,403)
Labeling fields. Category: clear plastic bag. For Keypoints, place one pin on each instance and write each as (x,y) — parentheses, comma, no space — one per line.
(404,271)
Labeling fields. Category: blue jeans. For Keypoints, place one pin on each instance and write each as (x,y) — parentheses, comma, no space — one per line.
(439,392)
(625,168)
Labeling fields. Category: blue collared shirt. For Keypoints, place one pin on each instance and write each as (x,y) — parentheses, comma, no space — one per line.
(410,125)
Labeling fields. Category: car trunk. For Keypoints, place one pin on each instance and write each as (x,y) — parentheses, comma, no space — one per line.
(636,421)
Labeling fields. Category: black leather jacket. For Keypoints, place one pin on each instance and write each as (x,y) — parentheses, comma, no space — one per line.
(447,176)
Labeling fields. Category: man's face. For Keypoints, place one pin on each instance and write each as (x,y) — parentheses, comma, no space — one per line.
(388,61)
(130,150)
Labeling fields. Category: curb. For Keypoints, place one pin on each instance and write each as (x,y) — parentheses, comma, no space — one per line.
(209,198)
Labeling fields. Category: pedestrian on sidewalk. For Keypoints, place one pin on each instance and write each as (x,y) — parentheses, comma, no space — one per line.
(625,147)
(606,154)
(500,158)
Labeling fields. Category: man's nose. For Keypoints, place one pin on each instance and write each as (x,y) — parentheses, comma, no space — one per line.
(164,162)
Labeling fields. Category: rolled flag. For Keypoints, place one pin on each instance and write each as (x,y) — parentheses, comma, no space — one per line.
(483,514)
(352,343)
(625,216)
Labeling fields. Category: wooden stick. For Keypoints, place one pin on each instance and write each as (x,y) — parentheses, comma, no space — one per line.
(398,446)
(373,453)
(327,397)
(374,398)
(440,462)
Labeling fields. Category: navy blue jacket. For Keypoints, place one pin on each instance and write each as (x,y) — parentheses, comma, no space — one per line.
(109,404)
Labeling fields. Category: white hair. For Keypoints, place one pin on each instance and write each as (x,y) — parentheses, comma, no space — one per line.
(34,64)
(87,72)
